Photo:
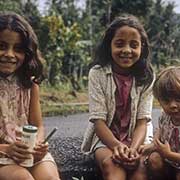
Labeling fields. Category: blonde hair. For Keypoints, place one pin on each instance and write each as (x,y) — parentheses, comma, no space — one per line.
(167,84)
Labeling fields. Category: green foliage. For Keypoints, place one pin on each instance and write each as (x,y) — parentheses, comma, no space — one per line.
(161,27)
(139,8)
(68,34)
(67,9)
(64,50)
(11,5)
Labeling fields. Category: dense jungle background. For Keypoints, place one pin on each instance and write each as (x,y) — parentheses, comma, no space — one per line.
(68,33)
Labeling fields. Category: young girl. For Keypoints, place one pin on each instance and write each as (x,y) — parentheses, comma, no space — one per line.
(20,73)
(120,100)
(164,161)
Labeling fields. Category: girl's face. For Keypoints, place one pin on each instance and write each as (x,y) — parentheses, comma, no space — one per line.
(12,52)
(126,46)
(172,108)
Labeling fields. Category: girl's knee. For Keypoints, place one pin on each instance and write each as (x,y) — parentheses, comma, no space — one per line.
(25,175)
(178,176)
(107,165)
(139,176)
(112,171)
(51,178)
(155,161)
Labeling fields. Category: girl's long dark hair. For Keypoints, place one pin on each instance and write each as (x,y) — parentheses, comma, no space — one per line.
(142,69)
(32,66)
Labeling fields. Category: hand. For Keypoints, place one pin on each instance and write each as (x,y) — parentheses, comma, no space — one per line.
(40,150)
(163,149)
(125,156)
(146,149)
(133,154)
(18,151)
(133,160)
(120,153)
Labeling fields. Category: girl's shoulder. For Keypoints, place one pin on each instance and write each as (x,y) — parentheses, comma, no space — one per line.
(148,86)
(34,88)
(99,69)
(96,67)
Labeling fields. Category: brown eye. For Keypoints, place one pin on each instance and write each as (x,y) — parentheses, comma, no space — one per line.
(165,100)
(2,46)
(178,99)
(134,44)
(19,49)
(119,44)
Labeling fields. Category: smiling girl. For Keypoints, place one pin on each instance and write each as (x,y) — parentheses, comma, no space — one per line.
(20,74)
(120,100)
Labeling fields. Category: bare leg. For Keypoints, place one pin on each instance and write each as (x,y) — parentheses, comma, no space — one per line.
(110,170)
(141,172)
(45,171)
(178,175)
(14,172)
(156,166)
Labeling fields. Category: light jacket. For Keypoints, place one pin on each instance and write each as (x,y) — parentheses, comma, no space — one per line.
(102,104)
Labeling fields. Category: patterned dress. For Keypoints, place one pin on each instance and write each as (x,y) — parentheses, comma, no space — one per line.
(170,133)
(14,112)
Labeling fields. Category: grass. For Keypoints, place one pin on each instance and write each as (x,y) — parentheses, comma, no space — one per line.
(62,100)
(54,110)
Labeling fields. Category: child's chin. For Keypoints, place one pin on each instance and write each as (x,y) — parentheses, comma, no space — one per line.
(176,119)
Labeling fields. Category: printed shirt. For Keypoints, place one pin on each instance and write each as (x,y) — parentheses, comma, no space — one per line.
(170,133)
(14,113)
(102,104)
(121,119)
(14,110)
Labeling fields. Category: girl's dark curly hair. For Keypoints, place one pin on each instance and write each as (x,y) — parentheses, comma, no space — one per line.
(142,69)
(32,65)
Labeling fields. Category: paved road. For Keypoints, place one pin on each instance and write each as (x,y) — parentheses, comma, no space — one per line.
(75,125)
(65,145)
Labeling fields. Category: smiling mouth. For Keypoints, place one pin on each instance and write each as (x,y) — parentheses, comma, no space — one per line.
(125,58)
(7,62)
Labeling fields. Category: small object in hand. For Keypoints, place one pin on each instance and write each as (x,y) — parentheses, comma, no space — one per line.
(29,138)
(50,135)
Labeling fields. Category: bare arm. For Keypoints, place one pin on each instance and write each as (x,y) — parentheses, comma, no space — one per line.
(105,134)
(35,115)
(174,156)
(166,152)
(148,148)
(35,118)
(139,134)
